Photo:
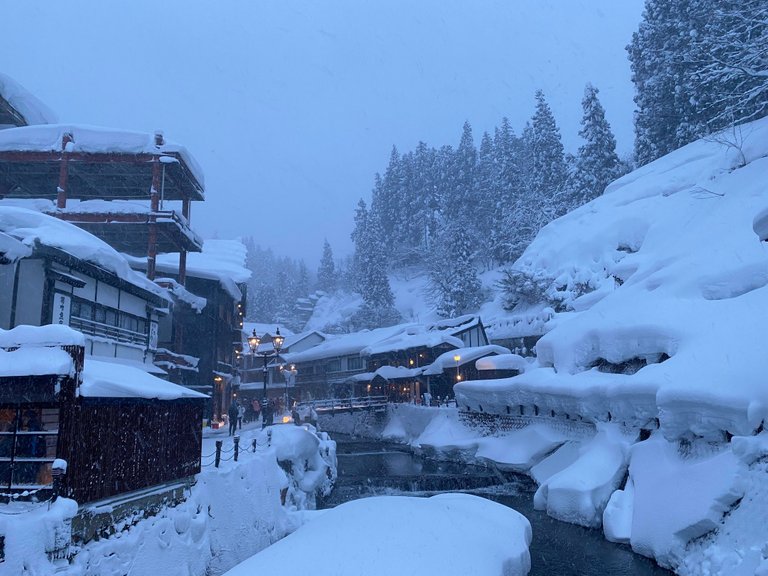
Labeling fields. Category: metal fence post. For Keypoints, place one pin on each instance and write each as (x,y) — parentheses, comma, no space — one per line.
(218,453)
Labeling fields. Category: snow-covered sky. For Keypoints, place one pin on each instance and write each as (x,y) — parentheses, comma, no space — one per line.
(291,106)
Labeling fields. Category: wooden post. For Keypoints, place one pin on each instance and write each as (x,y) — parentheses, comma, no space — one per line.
(218,453)
(182,266)
(61,190)
(237,447)
(154,206)
(254,444)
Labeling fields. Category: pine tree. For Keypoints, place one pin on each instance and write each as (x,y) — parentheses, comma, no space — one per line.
(549,172)
(597,164)
(454,285)
(371,272)
(326,273)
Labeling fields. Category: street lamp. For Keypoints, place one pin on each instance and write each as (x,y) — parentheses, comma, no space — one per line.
(277,344)
(290,378)
(457,359)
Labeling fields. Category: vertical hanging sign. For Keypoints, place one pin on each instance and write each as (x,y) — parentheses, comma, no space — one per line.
(153,335)
(61,308)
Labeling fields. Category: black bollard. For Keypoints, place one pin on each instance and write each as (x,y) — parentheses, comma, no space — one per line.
(237,446)
(218,453)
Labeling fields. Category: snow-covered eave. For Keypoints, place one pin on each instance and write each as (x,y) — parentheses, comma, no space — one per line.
(29,107)
(411,342)
(139,286)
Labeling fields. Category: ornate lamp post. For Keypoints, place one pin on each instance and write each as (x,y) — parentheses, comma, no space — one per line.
(277,344)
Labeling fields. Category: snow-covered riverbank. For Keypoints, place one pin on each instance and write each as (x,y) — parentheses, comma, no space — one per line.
(693,506)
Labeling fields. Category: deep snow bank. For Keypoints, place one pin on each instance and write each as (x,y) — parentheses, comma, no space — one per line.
(695,506)
(375,536)
(230,513)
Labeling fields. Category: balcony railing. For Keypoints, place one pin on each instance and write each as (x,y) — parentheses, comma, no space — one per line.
(108,331)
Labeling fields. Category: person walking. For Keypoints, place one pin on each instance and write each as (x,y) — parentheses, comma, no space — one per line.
(233,414)
(240,415)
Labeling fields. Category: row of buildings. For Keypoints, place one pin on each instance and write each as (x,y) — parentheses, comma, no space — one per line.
(119,328)
(121,331)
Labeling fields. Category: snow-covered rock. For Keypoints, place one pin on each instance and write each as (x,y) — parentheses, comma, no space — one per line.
(347,540)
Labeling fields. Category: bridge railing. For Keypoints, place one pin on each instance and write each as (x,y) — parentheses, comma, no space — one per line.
(333,404)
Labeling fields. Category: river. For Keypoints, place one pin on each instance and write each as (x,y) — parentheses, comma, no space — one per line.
(369,468)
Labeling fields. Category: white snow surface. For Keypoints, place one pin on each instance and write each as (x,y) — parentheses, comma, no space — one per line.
(666,262)
(93,139)
(29,227)
(29,106)
(48,335)
(110,380)
(347,540)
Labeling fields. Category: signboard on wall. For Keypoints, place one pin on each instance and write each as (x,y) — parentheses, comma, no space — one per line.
(62,304)
(153,335)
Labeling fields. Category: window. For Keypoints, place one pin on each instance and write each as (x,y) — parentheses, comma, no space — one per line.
(333,365)
(28,436)
(354,363)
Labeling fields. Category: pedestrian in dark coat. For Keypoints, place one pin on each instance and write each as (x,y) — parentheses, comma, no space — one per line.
(233,413)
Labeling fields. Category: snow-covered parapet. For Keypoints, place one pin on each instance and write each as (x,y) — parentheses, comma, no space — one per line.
(93,140)
(24,102)
(500,538)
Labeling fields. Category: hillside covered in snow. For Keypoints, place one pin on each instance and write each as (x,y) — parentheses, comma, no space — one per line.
(662,283)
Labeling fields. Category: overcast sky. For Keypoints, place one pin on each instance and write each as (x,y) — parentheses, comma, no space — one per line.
(292,106)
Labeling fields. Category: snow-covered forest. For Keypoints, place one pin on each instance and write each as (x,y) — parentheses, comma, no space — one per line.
(698,69)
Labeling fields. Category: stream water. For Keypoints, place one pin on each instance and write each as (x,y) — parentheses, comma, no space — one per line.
(367,469)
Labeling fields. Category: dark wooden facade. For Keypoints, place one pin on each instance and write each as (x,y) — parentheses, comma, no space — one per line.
(118,445)
(111,445)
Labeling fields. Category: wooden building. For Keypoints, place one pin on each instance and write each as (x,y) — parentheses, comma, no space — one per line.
(119,429)
(51,272)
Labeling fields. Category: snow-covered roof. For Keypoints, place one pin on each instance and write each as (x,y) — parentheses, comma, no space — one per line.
(222,260)
(146,367)
(414,336)
(344,345)
(28,106)
(30,227)
(93,140)
(37,351)
(458,324)
(109,380)
(466,355)
(48,335)
(502,362)
(197,303)
(663,270)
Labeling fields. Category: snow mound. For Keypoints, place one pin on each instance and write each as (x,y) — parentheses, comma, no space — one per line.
(345,540)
